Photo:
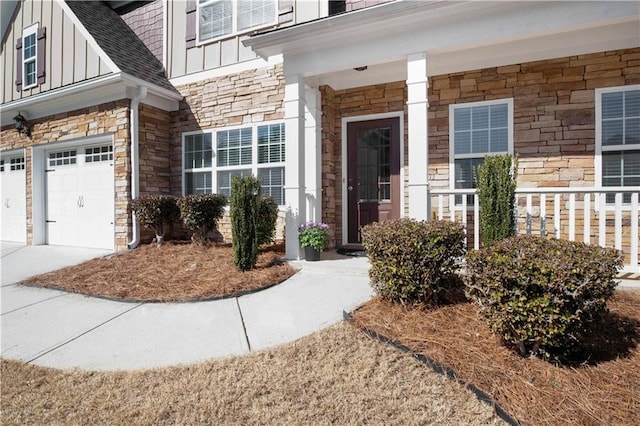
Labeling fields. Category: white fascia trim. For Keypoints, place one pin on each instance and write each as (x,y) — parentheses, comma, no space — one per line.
(59,93)
(226,70)
(162,98)
(165,35)
(160,91)
(92,42)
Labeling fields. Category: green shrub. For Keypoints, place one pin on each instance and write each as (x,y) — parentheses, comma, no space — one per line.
(411,261)
(495,182)
(245,193)
(156,212)
(201,212)
(542,296)
(267,217)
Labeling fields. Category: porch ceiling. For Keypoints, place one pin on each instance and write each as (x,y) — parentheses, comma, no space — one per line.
(457,36)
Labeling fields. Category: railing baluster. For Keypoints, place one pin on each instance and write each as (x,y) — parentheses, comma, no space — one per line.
(556,215)
(529,214)
(633,261)
(452,208)
(572,216)
(464,214)
(618,222)
(476,222)
(602,220)
(587,219)
(543,215)
(440,207)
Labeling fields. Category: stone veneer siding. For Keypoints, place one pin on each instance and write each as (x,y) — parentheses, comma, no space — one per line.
(252,96)
(554,119)
(110,118)
(336,105)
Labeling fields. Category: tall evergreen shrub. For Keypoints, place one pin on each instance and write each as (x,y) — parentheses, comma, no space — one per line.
(496,185)
(245,194)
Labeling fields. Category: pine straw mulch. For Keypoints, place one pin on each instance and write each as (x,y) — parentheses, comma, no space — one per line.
(175,272)
(602,388)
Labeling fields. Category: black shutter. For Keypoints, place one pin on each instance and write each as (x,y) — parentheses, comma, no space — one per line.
(42,54)
(19,65)
(192,12)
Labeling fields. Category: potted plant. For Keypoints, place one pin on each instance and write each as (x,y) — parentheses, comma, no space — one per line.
(313,237)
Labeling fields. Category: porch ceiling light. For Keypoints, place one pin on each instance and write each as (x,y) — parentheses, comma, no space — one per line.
(361,68)
(22,126)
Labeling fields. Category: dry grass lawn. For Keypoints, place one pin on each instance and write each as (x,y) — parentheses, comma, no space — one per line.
(601,388)
(337,376)
(174,272)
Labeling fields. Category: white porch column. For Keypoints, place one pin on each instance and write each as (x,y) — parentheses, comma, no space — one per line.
(294,109)
(417,103)
(313,154)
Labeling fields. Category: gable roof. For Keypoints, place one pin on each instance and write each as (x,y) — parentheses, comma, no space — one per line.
(120,43)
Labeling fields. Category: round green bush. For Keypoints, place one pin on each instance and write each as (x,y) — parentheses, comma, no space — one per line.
(201,213)
(412,261)
(156,212)
(542,296)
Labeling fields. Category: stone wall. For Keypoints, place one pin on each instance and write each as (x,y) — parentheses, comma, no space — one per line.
(339,104)
(110,118)
(554,113)
(554,119)
(253,96)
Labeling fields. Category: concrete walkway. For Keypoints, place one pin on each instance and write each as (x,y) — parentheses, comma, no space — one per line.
(62,330)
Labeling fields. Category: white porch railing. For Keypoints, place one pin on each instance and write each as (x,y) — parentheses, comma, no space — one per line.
(581,214)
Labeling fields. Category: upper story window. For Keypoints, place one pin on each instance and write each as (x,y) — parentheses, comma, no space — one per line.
(476,130)
(29,48)
(212,159)
(30,54)
(618,137)
(218,18)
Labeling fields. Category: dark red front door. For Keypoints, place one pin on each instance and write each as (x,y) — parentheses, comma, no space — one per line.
(373,173)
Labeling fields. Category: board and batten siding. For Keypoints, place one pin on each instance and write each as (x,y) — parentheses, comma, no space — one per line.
(69,58)
(227,51)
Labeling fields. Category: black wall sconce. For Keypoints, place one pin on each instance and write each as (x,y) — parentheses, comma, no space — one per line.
(21,125)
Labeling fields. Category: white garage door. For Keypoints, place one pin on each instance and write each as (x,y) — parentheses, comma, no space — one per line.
(14,211)
(80,197)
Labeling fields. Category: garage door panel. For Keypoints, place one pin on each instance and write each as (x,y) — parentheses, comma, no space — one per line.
(81,201)
(13,199)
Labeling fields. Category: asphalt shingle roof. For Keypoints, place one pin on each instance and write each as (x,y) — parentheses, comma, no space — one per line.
(120,43)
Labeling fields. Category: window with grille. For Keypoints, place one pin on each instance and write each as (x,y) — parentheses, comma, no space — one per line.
(29,56)
(218,18)
(62,158)
(98,154)
(618,138)
(476,130)
(249,150)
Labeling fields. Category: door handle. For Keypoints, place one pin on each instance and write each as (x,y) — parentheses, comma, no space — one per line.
(82,201)
(78,202)
(350,188)
(6,203)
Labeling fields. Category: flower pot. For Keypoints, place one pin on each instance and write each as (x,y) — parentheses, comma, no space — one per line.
(311,254)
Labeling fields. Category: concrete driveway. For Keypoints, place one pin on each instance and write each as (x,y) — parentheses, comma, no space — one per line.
(62,330)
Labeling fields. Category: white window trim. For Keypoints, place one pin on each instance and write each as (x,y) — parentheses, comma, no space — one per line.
(234,23)
(453,156)
(26,32)
(214,169)
(599,147)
